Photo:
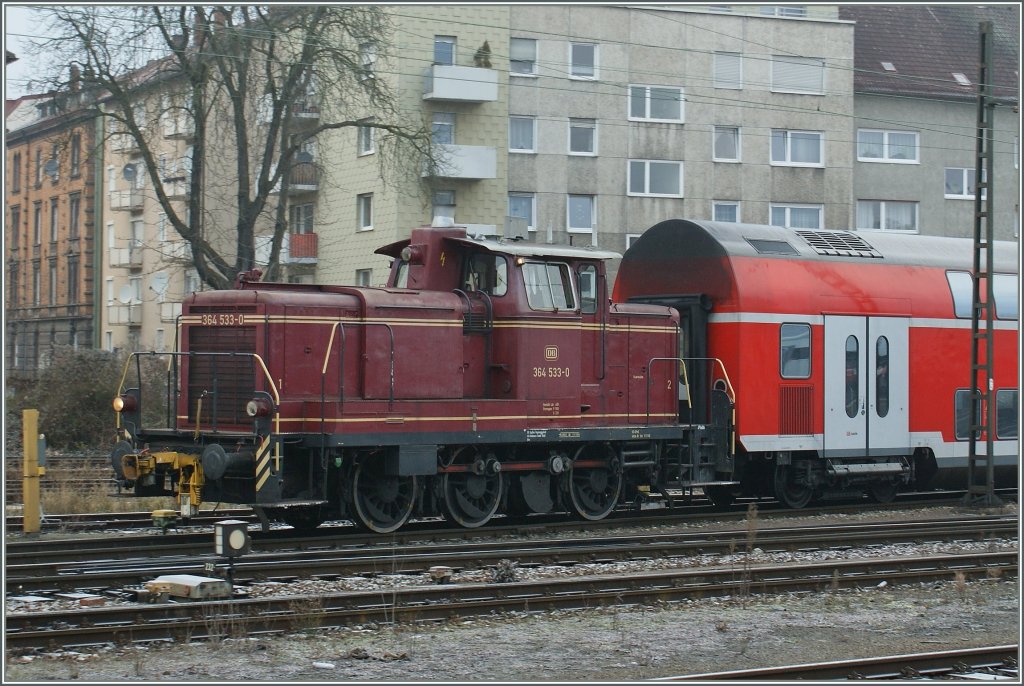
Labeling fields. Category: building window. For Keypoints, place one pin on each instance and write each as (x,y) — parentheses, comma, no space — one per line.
(39,167)
(580,211)
(364,210)
(522,134)
(74,212)
(656,103)
(15,226)
(960,183)
(365,139)
(655,177)
(37,223)
(72,280)
(16,173)
(726,210)
(367,59)
(76,155)
(797,148)
(795,351)
(54,220)
(523,205)
(796,216)
(582,136)
(583,60)
(363,277)
(798,74)
(54,164)
(444,50)
(36,283)
(523,57)
(783,10)
(444,206)
(728,70)
(300,218)
(52,295)
(899,147)
(631,238)
(726,144)
(887,215)
(443,128)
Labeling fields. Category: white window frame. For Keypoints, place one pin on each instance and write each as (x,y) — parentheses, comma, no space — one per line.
(297,216)
(647,103)
(365,140)
(885,158)
(533,134)
(647,179)
(968,193)
(364,277)
(531,221)
(364,212)
(793,62)
(723,83)
(447,40)
(714,147)
(572,64)
(443,119)
(582,122)
(783,10)
(789,149)
(367,59)
(593,214)
(715,204)
(788,206)
(882,216)
(532,62)
(631,239)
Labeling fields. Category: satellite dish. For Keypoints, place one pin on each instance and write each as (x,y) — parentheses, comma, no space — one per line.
(304,157)
(125,294)
(51,167)
(128,172)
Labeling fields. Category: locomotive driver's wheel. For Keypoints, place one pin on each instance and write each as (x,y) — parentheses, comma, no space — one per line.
(594,491)
(472,499)
(791,487)
(382,502)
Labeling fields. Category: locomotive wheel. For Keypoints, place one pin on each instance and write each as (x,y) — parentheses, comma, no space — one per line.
(594,492)
(882,491)
(383,502)
(302,518)
(791,488)
(472,499)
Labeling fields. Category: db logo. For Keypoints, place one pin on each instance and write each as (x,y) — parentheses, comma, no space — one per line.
(551,352)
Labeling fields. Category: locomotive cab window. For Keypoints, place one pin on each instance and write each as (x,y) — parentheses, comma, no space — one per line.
(548,286)
(795,351)
(487,273)
(587,276)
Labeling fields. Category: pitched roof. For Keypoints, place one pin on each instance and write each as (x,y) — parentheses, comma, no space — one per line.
(927,44)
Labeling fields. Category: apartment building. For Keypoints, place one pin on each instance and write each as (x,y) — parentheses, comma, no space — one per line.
(49,231)
(916,117)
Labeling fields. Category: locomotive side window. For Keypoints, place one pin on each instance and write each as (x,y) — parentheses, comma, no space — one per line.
(1004,290)
(402,275)
(1006,414)
(795,351)
(587,276)
(548,286)
(962,414)
(852,376)
(960,285)
(882,376)
(487,273)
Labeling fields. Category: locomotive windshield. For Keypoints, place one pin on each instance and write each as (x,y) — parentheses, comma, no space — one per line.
(486,272)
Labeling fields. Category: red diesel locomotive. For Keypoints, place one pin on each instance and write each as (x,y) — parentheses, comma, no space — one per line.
(850,353)
(497,377)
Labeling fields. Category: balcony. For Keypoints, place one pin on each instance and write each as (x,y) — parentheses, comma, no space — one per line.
(466,162)
(126,257)
(130,200)
(176,187)
(299,248)
(175,250)
(125,314)
(308,109)
(169,312)
(445,82)
(304,177)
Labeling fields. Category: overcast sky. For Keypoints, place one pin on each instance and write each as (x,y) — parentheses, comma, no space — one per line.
(18,22)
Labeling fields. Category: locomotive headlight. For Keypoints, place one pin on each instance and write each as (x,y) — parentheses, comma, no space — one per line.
(257,407)
(124,403)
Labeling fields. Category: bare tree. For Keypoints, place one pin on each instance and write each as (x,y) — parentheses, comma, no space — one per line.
(236,79)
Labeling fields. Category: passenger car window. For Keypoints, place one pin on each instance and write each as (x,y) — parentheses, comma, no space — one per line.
(1006,414)
(795,351)
(548,286)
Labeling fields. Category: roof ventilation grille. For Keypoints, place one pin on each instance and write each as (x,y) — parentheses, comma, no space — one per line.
(838,244)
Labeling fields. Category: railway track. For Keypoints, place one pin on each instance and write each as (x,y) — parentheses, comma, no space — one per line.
(989,663)
(108,563)
(437,603)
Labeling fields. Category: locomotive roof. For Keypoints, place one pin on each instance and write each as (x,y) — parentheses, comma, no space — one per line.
(708,238)
(514,247)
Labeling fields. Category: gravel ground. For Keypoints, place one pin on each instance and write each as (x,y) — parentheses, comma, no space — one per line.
(596,645)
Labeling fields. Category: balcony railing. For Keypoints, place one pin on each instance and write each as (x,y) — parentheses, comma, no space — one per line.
(300,248)
(460,84)
(306,109)
(126,200)
(169,311)
(125,314)
(304,176)
(130,256)
(466,162)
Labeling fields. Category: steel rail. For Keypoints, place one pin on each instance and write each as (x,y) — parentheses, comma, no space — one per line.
(442,602)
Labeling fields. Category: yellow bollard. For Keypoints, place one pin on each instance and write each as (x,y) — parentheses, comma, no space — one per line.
(30,482)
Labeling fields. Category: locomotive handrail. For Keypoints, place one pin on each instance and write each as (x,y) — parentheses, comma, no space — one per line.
(341,365)
(730,392)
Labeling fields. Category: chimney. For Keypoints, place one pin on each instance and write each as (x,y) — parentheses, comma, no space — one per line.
(75,81)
